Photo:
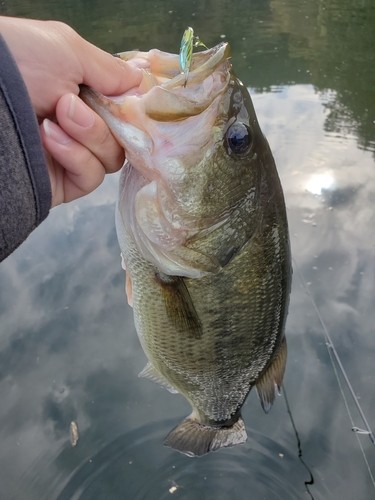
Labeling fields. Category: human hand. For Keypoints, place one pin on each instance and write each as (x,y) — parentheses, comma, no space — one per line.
(54,60)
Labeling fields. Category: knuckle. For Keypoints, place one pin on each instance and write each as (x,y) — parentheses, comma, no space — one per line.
(63,30)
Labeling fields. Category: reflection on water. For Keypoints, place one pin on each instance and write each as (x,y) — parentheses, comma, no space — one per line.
(321,182)
(68,347)
(135,466)
(69,351)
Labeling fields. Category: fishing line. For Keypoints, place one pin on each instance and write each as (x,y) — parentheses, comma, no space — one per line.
(355,429)
(311,481)
(331,347)
(332,351)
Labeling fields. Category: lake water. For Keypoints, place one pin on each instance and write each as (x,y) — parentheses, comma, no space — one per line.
(68,347)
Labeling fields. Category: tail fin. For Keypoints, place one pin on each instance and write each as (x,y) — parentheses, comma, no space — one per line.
(196,439)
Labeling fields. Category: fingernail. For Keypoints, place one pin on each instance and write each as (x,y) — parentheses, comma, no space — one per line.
(79,113)
(55,133)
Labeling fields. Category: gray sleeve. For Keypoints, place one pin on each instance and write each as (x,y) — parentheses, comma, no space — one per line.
(25,190)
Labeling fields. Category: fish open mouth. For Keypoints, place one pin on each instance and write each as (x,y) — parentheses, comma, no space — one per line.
(139,119)
(169,125)
(166,124)
(163,69)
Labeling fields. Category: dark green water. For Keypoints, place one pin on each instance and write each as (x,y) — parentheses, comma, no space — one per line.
(68,347)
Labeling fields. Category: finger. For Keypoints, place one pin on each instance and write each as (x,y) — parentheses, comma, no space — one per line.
(105,73)
(87,128)
(74,170)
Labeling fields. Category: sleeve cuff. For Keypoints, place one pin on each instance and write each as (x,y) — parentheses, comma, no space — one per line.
(19,103)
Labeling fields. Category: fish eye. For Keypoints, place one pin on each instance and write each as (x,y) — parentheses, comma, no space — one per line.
(238,137)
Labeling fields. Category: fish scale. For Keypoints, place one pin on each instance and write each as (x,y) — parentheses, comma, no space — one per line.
(177,357)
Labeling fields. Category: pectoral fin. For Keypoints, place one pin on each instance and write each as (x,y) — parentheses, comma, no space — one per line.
(129,289)
(179,305)
(128,282)
(272,379)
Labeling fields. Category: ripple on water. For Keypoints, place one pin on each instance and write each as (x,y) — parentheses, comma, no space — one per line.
(136,466)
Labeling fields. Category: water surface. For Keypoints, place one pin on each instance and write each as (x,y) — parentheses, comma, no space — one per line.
(68,347)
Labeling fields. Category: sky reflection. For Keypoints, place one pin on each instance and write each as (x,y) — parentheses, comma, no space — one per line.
(69,351)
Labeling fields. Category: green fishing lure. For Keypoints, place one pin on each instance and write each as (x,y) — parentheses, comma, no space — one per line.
(188,42)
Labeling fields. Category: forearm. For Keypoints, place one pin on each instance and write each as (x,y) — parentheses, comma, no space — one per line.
(25,192)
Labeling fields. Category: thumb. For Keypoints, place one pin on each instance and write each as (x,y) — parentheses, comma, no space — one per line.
(106,73)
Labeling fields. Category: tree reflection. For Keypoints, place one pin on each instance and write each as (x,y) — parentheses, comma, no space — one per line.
(335,38)
(328,43)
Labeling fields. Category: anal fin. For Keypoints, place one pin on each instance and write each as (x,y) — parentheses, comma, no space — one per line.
(150,373)
(271,380)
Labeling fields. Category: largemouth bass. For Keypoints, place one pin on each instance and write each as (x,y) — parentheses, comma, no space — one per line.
(203,232)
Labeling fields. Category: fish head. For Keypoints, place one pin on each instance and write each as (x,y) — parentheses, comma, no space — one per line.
(194,147)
